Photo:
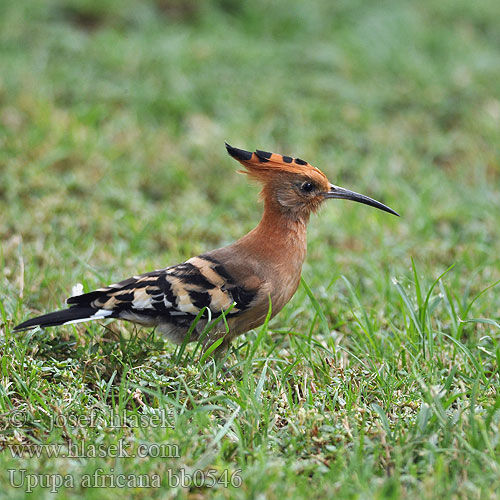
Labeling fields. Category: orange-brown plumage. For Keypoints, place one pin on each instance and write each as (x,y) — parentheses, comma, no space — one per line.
(264,265)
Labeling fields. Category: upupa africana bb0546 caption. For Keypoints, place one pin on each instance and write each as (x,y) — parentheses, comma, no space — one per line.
(260,270)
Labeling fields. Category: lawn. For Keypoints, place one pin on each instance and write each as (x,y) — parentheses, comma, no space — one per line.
(380,379)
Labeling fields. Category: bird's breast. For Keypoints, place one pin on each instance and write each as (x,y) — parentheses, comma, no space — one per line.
(285,283)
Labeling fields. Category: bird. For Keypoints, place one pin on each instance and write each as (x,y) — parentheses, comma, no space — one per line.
(220,294)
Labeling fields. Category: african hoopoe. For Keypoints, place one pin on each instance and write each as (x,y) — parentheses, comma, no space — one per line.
(262,267)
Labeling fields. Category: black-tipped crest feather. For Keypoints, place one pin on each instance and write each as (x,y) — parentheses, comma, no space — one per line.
(238,154)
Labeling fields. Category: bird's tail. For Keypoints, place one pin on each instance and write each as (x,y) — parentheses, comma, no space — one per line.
(75,314)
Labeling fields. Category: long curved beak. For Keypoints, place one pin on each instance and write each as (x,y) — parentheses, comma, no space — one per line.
(345,194)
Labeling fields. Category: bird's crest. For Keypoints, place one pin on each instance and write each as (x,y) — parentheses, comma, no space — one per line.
(261,164)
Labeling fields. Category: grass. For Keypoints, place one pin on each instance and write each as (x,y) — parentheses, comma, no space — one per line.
(380,378)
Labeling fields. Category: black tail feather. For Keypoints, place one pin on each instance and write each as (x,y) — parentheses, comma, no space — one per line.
(57,318)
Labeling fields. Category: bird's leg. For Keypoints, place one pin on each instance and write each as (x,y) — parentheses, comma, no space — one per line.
(211,338)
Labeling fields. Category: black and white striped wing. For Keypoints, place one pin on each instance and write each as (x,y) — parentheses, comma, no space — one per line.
(172,295)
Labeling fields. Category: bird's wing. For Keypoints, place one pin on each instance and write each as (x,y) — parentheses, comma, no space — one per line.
(175,294)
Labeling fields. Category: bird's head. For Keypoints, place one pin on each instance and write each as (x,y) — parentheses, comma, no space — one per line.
(292,185)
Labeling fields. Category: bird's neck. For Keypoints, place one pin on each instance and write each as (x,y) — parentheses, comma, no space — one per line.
(279,238)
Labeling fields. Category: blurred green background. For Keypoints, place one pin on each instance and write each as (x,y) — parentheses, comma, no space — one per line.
(113,116)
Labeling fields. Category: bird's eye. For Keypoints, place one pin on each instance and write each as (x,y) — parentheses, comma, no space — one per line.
(307,187)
